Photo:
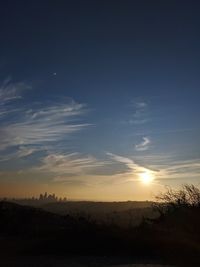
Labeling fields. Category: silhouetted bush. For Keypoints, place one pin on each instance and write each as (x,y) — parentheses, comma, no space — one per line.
(186,197)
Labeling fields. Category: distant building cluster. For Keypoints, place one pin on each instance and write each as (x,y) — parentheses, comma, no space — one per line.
(51,198)
(34,201)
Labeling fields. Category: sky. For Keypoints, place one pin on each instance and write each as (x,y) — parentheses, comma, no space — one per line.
(99,100)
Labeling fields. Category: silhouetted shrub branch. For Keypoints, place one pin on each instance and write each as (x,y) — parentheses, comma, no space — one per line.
(171,199)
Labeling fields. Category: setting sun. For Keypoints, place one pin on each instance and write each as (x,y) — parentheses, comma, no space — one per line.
(146,177)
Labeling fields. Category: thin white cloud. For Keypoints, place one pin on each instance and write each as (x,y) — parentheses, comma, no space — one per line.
(48,125)
(10,91)
(140,105)
(133,167)
(21,152)
(67,165)
(121,159)
(185,169)
(144,145)
(25,151)
(163,168)
(76,168)
(169,168)
(140,112)
(40,124)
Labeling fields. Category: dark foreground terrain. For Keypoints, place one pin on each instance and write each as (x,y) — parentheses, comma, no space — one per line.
(34,237)
(123,214)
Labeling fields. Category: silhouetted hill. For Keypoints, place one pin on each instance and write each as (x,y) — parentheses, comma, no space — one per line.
(90,206)
(53,233)
(174,238)
(15,218)
(124,214)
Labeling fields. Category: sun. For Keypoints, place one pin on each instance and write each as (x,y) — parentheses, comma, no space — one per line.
(146,177)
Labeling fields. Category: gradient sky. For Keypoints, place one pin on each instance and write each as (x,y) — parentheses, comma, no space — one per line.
(94,93)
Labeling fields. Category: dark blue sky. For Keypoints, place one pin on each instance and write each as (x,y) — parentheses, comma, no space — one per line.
(87,87)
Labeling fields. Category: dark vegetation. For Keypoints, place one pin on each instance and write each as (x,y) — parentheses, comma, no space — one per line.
(171,237)
(123,214)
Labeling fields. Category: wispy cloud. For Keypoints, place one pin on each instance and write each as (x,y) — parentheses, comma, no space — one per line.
(20,152)
(140,112)
(47,125)
(40,124)
(69,165)
(133,167)
(169,168)
(11,91)
(25,151)
(144,145)
(164,168)
(185,169)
